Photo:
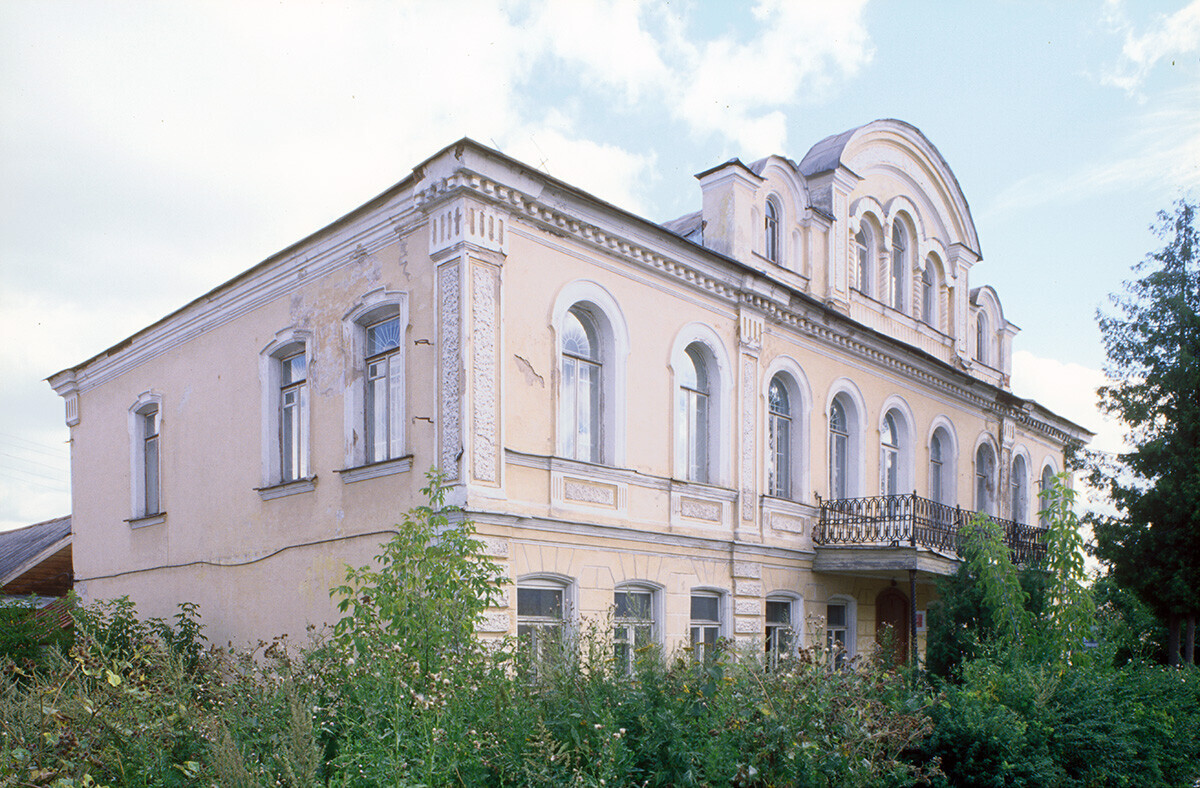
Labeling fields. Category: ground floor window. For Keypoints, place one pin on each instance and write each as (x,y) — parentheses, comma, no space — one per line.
(837,633)
(633,625)
(706,624)
(539,623)
(779,639)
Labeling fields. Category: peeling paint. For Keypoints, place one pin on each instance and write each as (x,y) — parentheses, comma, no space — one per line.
(530,375)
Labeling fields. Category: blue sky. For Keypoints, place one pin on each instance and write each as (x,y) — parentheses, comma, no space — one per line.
(149,151)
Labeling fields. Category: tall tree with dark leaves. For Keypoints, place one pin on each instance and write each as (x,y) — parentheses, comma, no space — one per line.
(1152,340)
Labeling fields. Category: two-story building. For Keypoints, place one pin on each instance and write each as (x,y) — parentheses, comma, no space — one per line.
(782,405)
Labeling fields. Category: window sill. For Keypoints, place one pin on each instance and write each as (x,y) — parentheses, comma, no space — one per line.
(284,489)
(147,520)
(374,470)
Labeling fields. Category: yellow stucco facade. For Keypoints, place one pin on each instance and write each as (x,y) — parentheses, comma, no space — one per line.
(662,411)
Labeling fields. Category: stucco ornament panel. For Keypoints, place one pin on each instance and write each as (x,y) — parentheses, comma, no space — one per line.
(575,490)
(485,383)
(451,396)
(700,510)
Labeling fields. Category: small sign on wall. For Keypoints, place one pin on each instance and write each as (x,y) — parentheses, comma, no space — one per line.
(920,620)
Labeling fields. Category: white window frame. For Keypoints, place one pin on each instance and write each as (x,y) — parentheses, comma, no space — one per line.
(375,307)
(147,403)
(771,646)
(626,657)
(983,342)
(287,343)
(705,626)
(850,629)
(901,415)
(1018,487)
(986,498)
(772,230)
(949,479)
(1045,481)
(704,340)
(899,266)
(535,625)
(789,373)
(929,294)
(613,336)
(847,394)
(865,246)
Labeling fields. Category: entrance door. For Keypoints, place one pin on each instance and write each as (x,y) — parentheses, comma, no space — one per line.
(892,625)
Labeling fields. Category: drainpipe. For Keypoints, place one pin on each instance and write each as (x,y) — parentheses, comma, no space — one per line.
(912,618)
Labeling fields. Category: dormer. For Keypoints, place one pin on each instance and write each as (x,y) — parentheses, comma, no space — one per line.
(729,195)
(990,336)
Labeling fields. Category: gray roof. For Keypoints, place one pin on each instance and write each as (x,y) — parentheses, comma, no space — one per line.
(20,545)
(826,154)
(685,225)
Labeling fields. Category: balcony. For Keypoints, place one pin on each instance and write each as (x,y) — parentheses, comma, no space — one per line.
(886,533)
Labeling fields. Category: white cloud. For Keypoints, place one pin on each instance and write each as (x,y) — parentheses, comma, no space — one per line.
(1167,38)
(1069,390)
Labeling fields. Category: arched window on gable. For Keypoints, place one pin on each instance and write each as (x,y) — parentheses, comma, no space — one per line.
(779,427)
(983,334)
(693,413)
(928,296)
(865,242)
(899,270)
(771,230)
(582,373)
(1019,484)
(985,479)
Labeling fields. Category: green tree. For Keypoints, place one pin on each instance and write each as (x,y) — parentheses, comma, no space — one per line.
(1152,341)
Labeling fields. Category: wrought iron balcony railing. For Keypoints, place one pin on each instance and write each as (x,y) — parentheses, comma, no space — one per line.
(913,521)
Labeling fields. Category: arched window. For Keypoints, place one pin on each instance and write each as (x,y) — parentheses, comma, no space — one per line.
(582,372)
(634,622)
(779,427)
(889,456)
(1019,484)
(865,242)
(1047,484)
(693,414)
(839,452)
(707,623)
(941,467)
(899,266)
(928,299)
(376,391)
(771,230)
(985,479)
(982,338)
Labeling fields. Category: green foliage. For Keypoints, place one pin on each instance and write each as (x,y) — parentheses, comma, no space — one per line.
(25,636)
(990,563)
(1153,348)
(433,582)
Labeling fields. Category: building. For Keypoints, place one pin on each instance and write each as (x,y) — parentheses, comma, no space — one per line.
(776,407)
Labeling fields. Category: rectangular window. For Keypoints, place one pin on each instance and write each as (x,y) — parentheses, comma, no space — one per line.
(384,388)
(633,626)
(293,417)
(705,625)
(150,484)
(779,636)
(836,632)
(539,623)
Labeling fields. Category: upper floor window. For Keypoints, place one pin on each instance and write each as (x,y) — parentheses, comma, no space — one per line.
(928,300)
(779,428)
(1045,486)
(1019,482)
(942,474)
(889,456)
(633,624)
(899,269)
(383,404)
(982,338)
(293,416)
(985,479)
(145,425)
(693,413)
(581,386)
(771,230)
(839,451)
(864,241)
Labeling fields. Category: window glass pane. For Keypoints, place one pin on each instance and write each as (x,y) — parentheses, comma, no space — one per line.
(699,438)
(377,411)
(151,474)
(706,608)
(836,615)
(570,404)
(779,612)
(695,374)
(777,398)
(540,602)
(383,336)
(293,369)
(632,605)
(578,338)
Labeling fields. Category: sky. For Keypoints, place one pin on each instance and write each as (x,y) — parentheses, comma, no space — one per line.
(150,151)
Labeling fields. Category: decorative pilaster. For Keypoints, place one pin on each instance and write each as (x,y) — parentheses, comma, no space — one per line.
(485,376)
(750,331)
(450,446)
